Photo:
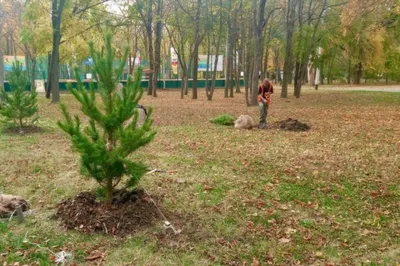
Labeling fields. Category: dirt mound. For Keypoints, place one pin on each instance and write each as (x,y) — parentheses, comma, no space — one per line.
(23,130)
(130,211)
(293,125)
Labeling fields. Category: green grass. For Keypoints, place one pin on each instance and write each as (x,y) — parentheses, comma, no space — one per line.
(273,196)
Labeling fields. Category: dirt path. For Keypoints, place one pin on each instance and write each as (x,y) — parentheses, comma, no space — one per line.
(389,88)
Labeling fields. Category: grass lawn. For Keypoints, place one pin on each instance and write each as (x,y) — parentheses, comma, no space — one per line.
(329,196)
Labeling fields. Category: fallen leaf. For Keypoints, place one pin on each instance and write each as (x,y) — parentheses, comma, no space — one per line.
(250,225)
(207,188)
(256,262)
(284,240)
(319,254)
(94,255)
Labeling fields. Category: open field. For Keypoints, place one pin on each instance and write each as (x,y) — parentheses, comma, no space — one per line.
(329,196)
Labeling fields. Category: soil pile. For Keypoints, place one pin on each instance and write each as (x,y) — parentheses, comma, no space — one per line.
(293,125)
(130,211)
(23,130)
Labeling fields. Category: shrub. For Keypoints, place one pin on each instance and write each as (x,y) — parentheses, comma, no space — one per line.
(19,105)
(112,133)
(225,120)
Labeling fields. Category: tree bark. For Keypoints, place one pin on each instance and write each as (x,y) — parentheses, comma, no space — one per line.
(197,38)
(258,24)
(48,86)
(217,48)
(228,71)
(33,85)
(237,70)
(349,71)
(157,51)
(321,71)
(358,73)
(151,60)
(1,68)
(287,67)
(207,86)
(56,18)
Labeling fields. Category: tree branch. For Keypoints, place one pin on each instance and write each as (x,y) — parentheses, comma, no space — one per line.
(77,11)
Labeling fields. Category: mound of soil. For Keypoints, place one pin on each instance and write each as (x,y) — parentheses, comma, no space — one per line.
(23,130)
(130,211)
(293,125)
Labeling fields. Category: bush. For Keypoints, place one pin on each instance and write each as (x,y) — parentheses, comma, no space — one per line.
(224,120)
(112,133)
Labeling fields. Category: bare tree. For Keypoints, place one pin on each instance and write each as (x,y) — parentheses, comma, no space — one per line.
(308,40)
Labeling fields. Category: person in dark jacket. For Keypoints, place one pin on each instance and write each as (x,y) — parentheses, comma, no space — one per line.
(264,99)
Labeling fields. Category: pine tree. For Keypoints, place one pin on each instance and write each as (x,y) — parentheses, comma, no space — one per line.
(112,133)
(19,104)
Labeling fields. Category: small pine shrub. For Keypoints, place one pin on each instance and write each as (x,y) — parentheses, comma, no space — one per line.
(224,120)
(18,105)
(112,133)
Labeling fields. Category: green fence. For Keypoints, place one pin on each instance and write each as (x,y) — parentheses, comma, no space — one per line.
(7,86)
(168,84)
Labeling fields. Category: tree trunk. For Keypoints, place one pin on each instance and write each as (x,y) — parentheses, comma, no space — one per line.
(151,63)
(311,76)
(358,73)
(258,13)
(217,48)
(33,85)
(1,68)
(287,67)
(195,73)
(228,71)
(237,71)
(109,189)
(321,71)
(157,52)
(256,69)
(7,46)
(266,55)
(185,82)
(301,77)
(48,87)
(56,18)
(228,67)
(349,71)
(214,76)
(296,74)
(189,67)
(196,49)
(149,32)
(207,86)
(27,59)
(247,77)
